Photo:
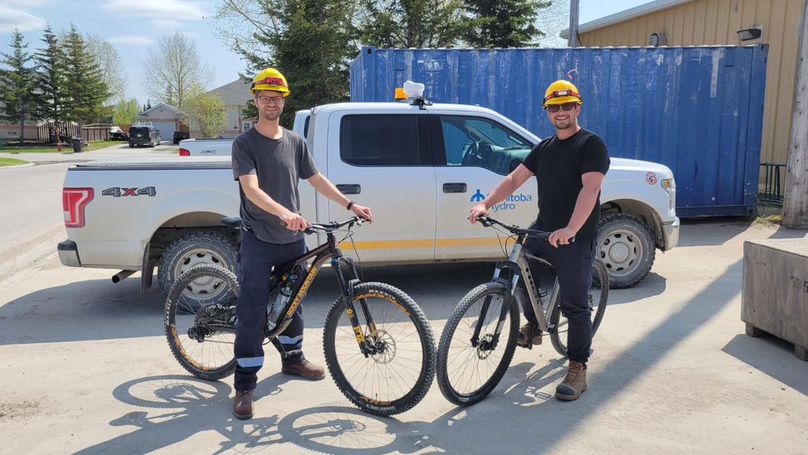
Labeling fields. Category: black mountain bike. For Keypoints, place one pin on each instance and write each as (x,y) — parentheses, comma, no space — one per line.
(480,336)
(378,344)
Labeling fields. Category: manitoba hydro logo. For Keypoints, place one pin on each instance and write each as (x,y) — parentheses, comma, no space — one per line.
(508,204)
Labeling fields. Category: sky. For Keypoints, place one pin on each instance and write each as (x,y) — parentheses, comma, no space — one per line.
(133,26)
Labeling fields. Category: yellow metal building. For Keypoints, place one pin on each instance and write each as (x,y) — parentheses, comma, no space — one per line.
(719,22)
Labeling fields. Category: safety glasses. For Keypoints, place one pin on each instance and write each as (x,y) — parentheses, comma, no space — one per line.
(557,107)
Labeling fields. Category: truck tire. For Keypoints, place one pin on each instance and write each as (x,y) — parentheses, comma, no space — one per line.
(200,247)
(626,248)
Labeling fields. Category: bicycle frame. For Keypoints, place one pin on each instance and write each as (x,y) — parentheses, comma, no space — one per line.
(321,254)
(517,267)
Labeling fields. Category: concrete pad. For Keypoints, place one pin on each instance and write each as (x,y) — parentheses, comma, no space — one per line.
(85,368)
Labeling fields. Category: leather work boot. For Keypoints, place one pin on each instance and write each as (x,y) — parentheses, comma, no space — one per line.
(243,404)
(529,335)
(574,384)
(304,369)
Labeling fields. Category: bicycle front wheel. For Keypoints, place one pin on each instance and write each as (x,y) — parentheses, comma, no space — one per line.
(200,327)
(470,366)
(398,365)
(598,296)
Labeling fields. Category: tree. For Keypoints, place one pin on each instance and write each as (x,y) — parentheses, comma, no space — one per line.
(111,67)
(84,81)
(414,23)
(17,84)
(504,23)
(205,111)
(125,112)
(310,41)
(50,79)
(173,68)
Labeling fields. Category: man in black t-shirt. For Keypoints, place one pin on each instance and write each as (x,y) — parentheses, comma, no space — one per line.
(569,169)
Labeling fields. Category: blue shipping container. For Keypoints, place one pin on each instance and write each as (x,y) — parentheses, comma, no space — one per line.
(698,110)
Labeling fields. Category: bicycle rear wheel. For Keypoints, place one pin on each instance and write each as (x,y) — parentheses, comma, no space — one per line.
(598,296)
(468,371)
(398,371)
(201,330)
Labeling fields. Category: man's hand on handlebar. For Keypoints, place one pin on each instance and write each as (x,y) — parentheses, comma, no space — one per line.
(477,211)
(362,212)
(294,221)
(563,236)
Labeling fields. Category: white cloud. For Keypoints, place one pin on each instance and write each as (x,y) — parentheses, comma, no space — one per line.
(134,40)
(166,24)
(11,18)
(178,10)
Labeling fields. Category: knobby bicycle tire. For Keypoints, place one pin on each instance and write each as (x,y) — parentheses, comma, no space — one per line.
(188,351)
(465,355)
(600,279)
(375,395)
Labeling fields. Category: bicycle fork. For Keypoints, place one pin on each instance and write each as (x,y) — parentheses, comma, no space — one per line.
(367,347)
(509,279)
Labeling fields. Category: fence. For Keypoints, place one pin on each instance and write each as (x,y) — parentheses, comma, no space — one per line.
(772,192)
(95,132)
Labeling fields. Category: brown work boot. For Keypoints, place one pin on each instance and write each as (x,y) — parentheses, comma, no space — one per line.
(529,335)
(243,404)
(574,384)
(304,369)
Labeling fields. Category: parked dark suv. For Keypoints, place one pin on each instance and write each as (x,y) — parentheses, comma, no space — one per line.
(143,135)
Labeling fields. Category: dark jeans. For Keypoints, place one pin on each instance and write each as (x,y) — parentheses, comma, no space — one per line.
(573,264)
(256,260)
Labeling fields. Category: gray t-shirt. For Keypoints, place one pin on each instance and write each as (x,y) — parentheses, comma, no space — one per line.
(279,164)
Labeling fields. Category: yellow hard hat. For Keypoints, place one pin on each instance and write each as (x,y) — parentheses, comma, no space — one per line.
(561,92)
(270,79)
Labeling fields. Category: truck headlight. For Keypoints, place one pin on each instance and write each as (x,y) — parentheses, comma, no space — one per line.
(670,186)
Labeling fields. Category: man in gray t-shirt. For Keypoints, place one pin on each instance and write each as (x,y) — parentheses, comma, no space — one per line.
(278,164)
(268,161)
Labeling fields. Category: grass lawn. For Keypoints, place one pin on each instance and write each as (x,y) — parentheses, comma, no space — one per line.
(10,162)
(95,145)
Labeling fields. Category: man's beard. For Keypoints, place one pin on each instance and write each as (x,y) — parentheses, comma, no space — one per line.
(563,124)
(271,116)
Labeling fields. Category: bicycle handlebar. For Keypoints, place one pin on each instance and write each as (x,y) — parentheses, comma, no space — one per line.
(487,221)
(334,225)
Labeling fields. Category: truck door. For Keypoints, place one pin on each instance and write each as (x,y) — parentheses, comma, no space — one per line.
(383,160)
(474,154)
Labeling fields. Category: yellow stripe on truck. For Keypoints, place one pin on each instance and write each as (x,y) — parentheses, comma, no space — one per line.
(423,243)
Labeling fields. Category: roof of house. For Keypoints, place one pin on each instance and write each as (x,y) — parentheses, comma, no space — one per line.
(622,16)
(165,106)
(236,92)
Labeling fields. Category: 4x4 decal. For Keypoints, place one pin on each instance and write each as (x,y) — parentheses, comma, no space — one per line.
(117,191)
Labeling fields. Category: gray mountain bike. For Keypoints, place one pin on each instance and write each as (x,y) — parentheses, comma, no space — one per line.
(480,336)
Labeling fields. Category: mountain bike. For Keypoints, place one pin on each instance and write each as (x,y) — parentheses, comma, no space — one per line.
(479,339)
(378,343)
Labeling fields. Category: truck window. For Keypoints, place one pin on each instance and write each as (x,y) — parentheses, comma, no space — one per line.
(381,140)
(480,142)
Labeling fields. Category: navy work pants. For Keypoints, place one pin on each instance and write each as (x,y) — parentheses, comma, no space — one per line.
(256,260)
(573,264)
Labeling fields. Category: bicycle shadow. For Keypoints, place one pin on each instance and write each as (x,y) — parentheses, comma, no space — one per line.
(185,406)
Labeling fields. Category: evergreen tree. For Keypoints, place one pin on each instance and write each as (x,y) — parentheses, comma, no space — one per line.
(414,23)
(312,46)
(83,80)
(504,23)
(17,85)
(50,80)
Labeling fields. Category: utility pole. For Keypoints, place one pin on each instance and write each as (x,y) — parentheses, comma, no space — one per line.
(795,204)
(573,38)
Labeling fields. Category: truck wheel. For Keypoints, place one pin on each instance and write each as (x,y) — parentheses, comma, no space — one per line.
(626,248)
(192,249)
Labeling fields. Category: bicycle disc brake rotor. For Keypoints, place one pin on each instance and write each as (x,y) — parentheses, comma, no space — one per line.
(383,347)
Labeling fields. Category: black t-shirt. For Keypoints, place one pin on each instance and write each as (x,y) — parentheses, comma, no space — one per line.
(558,166)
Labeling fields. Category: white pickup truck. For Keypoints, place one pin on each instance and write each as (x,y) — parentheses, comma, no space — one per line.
(420,168)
